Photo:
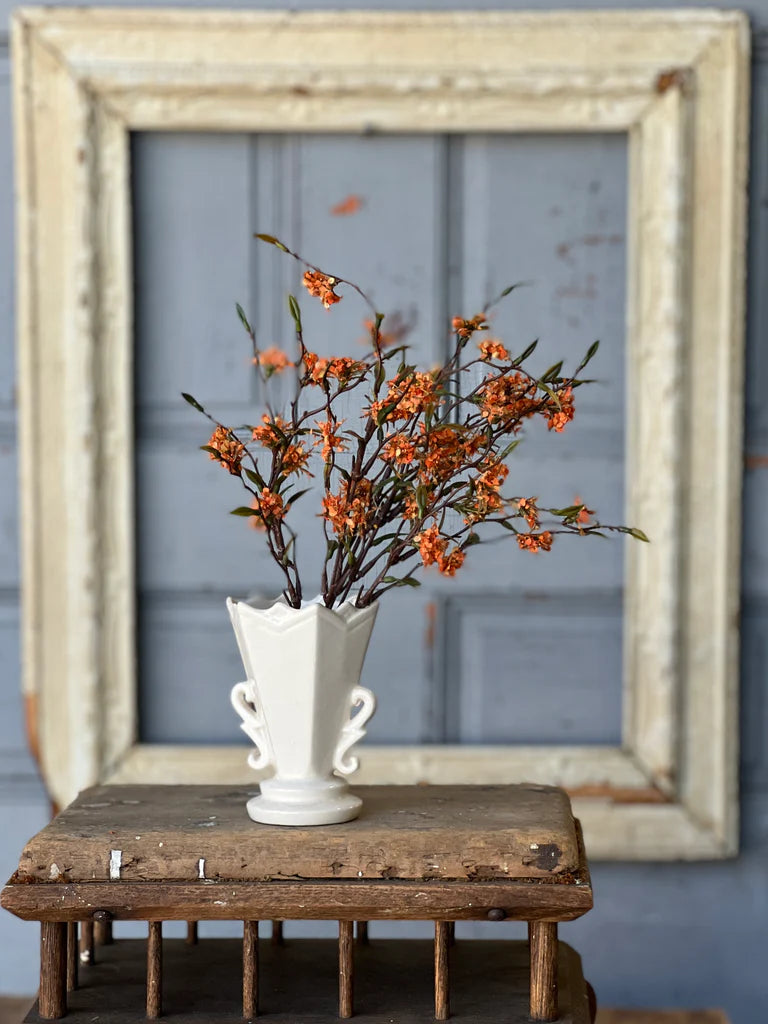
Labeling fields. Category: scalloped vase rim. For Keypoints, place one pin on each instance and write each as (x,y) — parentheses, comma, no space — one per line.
(280,615)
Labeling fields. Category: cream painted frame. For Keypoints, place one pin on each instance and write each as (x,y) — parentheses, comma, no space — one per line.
(676,81)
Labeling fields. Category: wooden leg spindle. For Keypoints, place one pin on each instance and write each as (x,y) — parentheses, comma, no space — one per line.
(72,956)
(361,934)
(86,943)
(277,933)
(53,969)
(442,997)
(346,969)
(542,936)
(191,933)
(102,929)
(250,969)
(155,970)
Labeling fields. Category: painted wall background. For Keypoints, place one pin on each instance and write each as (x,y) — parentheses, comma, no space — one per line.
(661,935)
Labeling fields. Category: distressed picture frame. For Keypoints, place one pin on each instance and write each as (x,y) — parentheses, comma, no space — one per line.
(675,81)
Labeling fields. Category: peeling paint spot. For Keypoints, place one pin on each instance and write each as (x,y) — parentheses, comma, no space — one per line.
(673,78)
(201,868)
(219,903)
(115,862)
(54,872)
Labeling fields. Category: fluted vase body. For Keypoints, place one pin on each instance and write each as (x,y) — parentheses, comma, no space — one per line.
(302,705)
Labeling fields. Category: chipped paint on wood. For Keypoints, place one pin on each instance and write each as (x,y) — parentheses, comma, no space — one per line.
(115,864)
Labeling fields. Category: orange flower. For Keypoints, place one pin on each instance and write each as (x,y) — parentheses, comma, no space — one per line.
(272,434)
(411,508)
(295,458)
(559,417)
(492,350)
(270,507)
(321,285)
(449,565)
(466,328)
(508,398)
(535,541)
(340,367)
(227,449)
(400,449)
(529,512)
(494,476)
(411,396)
(444,452)
(329,439)
(273,360)
(431,545)
(584,516)
(348,515)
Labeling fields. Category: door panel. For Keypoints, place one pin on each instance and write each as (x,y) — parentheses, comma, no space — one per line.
(517,648)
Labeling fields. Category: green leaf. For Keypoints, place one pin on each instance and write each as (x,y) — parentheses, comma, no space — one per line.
(210,450)
(244,510)
(633,531)
(272,240)
(407,581)
(293,306)
(571,510)
(591,352)
(421,498)
(471,540)
(528,352)
(255,478)
(192,401)
(291,498)
(509,449)
(243,318)
(553,373)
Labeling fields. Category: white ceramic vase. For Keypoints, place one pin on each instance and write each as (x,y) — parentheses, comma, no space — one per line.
(303,670)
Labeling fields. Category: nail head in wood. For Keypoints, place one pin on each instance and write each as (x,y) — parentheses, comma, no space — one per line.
(250,969)
(155,970)
(53,970)
(346,969)
(497,914)
(72,956)
(442,996)
(542,936)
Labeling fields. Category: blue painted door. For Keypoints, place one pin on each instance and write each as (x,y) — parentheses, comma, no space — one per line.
(518,647)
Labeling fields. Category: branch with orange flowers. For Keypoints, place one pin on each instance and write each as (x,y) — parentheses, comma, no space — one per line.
(412,484)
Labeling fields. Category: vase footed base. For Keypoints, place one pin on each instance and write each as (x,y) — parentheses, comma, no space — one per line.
(304,802)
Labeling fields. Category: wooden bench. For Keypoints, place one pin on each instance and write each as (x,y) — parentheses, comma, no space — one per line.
(438,853)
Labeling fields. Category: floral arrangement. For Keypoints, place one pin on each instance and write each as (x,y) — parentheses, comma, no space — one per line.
(413,482)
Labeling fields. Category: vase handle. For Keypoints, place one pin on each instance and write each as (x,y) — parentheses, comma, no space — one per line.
(354,730)
(243,698)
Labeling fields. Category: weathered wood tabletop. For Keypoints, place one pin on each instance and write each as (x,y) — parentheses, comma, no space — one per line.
(439,853)
(407,832)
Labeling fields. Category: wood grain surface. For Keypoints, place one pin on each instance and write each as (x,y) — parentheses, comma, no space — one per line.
(303,900)
(141,833)
(298,982)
